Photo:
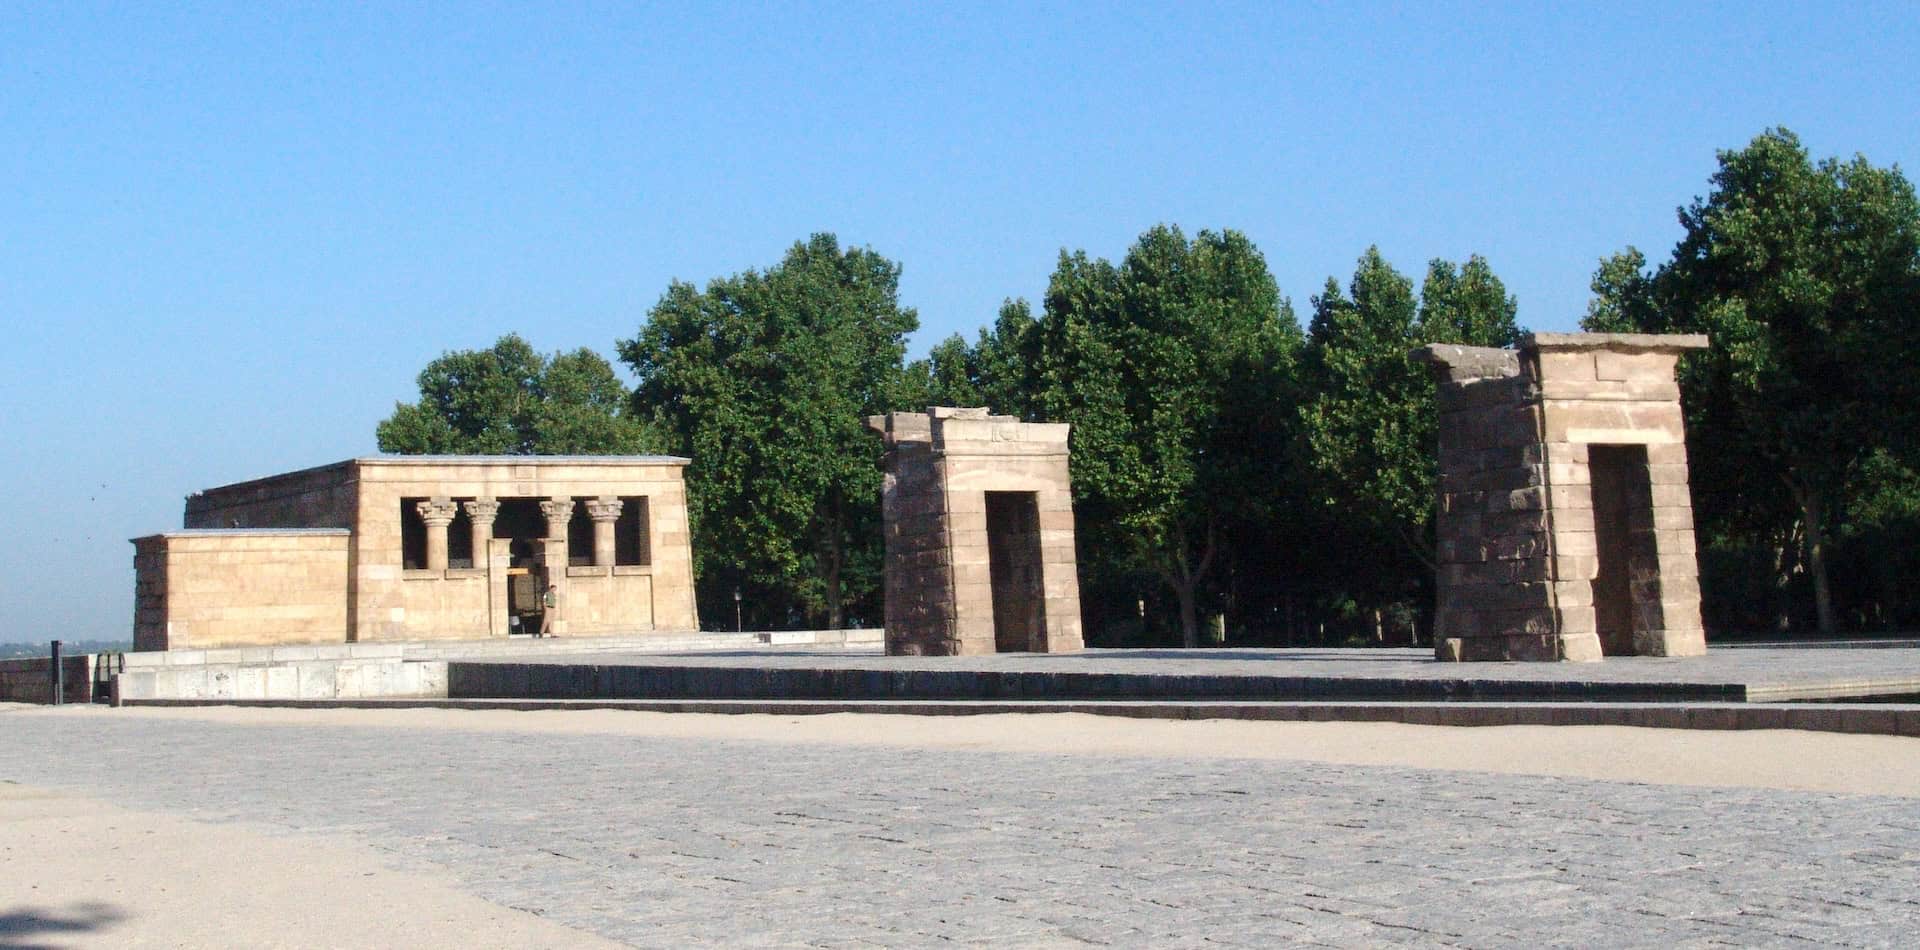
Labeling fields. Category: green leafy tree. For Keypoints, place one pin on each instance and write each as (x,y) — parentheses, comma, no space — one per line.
(949,376)
(1006,362)
(1366,424)
(998,371)
(510,400)
(1804,276)
(1175,369)
(765,379)
(1466,304)
(1623,297)
(1370,423)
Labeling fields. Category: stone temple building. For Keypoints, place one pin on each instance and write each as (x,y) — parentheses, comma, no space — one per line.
(420,548)
(1565,524)
(978,512)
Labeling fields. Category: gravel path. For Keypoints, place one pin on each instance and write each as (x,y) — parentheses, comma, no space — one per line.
(663,841)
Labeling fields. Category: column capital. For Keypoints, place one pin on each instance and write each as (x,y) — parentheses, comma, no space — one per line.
(437,512)
(559,511)
(481,510)
(604,509)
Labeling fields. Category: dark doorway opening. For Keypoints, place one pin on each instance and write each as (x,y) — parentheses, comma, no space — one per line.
(1013,564)
(413,535)
(579,535)
(632,544)
(524,526)
(460,542)
(1626,588)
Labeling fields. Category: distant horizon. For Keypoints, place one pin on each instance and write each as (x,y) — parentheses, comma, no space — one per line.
(242,232)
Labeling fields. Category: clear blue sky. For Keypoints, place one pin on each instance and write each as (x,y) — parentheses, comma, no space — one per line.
(232,235)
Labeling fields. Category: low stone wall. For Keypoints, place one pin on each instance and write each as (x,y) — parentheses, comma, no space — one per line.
(405,670)
(30,680)
(830,681)
(391,678)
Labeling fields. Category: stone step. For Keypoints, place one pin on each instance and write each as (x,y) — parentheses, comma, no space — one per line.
(677,641)
(1865,718)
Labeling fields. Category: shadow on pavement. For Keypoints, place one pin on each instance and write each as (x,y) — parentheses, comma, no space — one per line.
(1272,655)
(21,928)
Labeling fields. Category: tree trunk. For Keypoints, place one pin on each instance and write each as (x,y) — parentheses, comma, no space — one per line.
(1420,551)
(830,559)
(1787,560)
(1189,616)
(1815,511)
(1184,578)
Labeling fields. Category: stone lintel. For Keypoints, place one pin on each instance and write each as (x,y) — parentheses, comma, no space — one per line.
(242,533)
(1456,363)
(963,412)
(1630,342)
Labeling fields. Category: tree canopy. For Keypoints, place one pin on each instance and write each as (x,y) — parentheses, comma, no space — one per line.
(1804,275)
(765,379)
(1173,368)
(1370,424)
(510,400)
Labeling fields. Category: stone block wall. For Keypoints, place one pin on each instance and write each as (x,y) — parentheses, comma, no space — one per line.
(612,599)
(30,679)
(918,578)
(321,497)
(940,576)
(1530,568)
(201,589)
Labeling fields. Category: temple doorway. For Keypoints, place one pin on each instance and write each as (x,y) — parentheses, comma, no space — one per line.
(523,526)
(1013,563)
(1623,537)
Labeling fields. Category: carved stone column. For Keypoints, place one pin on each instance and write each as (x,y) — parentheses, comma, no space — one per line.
(605,512)
(480,513)
(437,513)
(559,512)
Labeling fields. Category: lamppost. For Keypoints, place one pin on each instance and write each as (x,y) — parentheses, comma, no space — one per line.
(737,628)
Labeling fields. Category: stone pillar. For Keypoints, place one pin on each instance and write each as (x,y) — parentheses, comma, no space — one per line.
(438,514)
(1530,567)
(978,515)
(499,557)
(481,512)
(605,512)
(559,512)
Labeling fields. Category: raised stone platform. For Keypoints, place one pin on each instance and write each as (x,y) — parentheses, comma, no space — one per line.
(1889,719)
(1747,675)
(407,669)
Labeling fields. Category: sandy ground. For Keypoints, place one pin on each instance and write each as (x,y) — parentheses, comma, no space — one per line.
(1787,759)
(180,883)
(163,881)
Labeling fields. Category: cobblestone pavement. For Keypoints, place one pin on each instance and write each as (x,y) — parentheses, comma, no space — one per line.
(678,842)
(1748,665)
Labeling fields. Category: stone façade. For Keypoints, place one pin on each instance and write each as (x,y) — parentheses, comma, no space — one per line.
(363,550)
(978,515)
(1565,526)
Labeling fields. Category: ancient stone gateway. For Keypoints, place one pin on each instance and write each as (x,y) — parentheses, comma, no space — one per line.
(1565,525)
(979,529)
